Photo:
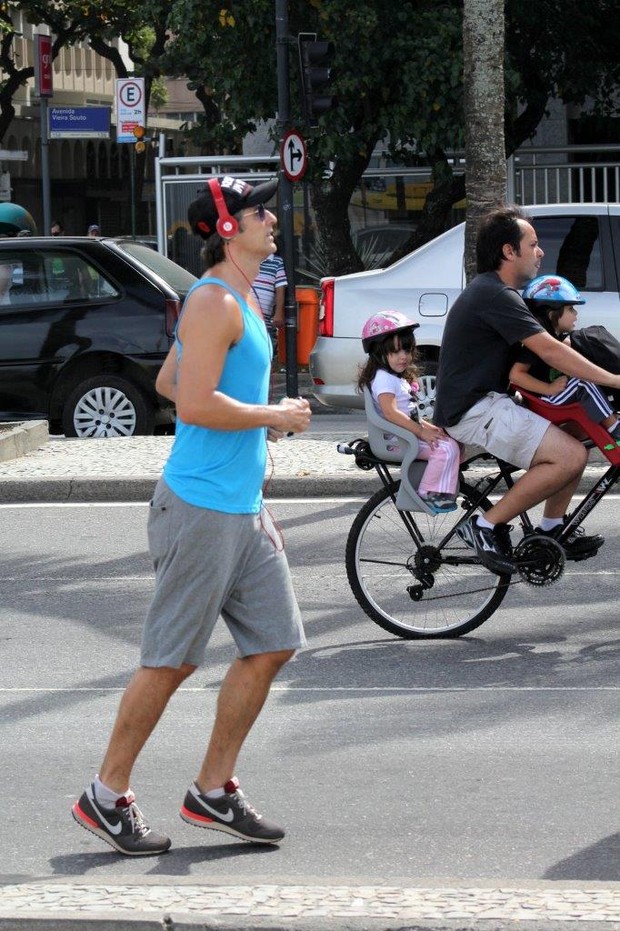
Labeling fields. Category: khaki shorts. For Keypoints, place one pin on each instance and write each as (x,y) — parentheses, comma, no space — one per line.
(503,428)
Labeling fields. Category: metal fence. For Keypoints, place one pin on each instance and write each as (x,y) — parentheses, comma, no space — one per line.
(388,200)
(568,174)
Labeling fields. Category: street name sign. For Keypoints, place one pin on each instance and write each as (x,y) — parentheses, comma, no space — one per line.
(79,122)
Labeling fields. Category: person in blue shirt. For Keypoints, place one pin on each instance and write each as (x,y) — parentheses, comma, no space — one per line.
(215,549)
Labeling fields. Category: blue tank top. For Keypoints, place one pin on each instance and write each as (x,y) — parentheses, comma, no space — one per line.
(224,470)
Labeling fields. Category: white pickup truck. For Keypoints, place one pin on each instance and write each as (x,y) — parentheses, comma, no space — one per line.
(581,242)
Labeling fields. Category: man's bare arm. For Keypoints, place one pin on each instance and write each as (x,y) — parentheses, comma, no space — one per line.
(166,381)
(561,357)
(211,324)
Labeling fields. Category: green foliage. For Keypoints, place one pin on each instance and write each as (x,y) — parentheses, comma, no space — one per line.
(159,93)
(398,76)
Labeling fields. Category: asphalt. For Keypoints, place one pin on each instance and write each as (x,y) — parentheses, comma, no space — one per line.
(35,467)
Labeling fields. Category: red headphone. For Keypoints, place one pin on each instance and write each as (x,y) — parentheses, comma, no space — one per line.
(226,225)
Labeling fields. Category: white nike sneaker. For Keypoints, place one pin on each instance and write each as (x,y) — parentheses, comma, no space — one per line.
(230,813)
(123,827)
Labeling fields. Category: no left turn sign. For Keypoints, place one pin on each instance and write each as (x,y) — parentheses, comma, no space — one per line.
(293,155)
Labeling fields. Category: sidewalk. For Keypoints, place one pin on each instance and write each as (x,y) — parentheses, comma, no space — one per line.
(99,470)
(128,469)
(184,904)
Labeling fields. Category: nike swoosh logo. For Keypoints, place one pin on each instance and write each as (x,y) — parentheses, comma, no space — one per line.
(112,828)
(227,816)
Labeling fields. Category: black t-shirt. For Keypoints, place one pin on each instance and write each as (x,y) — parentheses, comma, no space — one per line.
(484,327)
(538,368)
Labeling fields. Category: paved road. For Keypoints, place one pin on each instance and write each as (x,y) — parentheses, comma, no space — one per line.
(423,784)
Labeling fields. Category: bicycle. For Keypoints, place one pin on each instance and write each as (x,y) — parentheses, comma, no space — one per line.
(408,568)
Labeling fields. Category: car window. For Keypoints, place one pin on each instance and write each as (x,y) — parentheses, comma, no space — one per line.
(70,277)
(572,248)
(179,279)
(39,277)
(21,277)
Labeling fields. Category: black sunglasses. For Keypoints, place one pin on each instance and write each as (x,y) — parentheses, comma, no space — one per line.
(260,212)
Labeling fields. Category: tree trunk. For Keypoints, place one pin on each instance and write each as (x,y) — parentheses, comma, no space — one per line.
(485,158)
(330,199)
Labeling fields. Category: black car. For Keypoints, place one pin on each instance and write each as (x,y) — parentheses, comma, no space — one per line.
(85,325)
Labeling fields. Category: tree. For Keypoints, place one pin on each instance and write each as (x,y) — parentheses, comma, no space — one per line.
(399,80)
(72,21)
(66,25)
(483,79)
(399,83)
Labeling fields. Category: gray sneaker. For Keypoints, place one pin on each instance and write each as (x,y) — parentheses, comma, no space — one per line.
(123,827)
(231,813)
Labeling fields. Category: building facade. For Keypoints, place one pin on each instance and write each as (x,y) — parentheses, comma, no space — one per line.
(90,179)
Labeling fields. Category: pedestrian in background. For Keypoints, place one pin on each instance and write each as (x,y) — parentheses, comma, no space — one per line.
(270,289)
(215,548)
(57,229)
(94,231)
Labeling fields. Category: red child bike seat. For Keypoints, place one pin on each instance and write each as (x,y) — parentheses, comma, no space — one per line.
(573,413)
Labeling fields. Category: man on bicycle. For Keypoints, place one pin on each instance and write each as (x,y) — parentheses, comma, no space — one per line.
(486,325)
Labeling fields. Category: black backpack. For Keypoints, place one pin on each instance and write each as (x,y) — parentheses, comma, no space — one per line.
(600,346)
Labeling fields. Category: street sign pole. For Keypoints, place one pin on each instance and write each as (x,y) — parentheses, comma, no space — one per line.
(285,201)
(130,113)
(44,87)
(45,168)
(132,186)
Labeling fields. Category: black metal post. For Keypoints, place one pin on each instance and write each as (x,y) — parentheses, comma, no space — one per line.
(285,201)
(132,186)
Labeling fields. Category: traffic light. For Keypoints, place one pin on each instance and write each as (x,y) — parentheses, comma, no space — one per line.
(316,77)
(140,144)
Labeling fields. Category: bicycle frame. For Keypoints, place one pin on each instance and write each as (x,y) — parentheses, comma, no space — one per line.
(584,507)
(487,485)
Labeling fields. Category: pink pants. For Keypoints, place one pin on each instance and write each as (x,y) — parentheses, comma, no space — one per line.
(442,471)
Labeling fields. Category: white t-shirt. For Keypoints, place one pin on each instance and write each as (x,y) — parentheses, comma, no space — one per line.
(386,383)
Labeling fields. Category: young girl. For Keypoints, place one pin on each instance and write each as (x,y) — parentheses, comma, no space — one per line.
(390,375)
(552,300)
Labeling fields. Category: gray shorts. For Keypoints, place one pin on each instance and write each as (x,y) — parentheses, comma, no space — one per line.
(502,427)
(207,564)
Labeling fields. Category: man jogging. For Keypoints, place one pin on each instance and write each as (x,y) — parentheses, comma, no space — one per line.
(215,550)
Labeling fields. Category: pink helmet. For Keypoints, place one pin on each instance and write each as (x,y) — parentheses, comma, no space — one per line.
(386,321)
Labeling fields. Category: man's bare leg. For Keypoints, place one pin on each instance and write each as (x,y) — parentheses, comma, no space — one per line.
(553,476)
(242,695)
(141,707)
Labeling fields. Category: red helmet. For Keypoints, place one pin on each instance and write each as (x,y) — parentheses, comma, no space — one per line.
(386,321)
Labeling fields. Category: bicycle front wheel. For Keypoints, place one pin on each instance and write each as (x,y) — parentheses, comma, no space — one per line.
(413,576)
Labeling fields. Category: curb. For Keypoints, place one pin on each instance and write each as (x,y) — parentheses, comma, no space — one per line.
(183,905)
(101,490)
(20,438)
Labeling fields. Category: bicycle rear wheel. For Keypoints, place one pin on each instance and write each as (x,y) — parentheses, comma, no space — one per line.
(419,588)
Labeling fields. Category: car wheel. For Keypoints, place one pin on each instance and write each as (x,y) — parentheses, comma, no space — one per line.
(107,406)
(426,394)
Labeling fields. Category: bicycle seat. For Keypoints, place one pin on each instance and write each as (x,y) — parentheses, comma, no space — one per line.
(573,413)
(381,435)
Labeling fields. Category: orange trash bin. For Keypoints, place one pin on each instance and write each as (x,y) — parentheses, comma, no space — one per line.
(307,325)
